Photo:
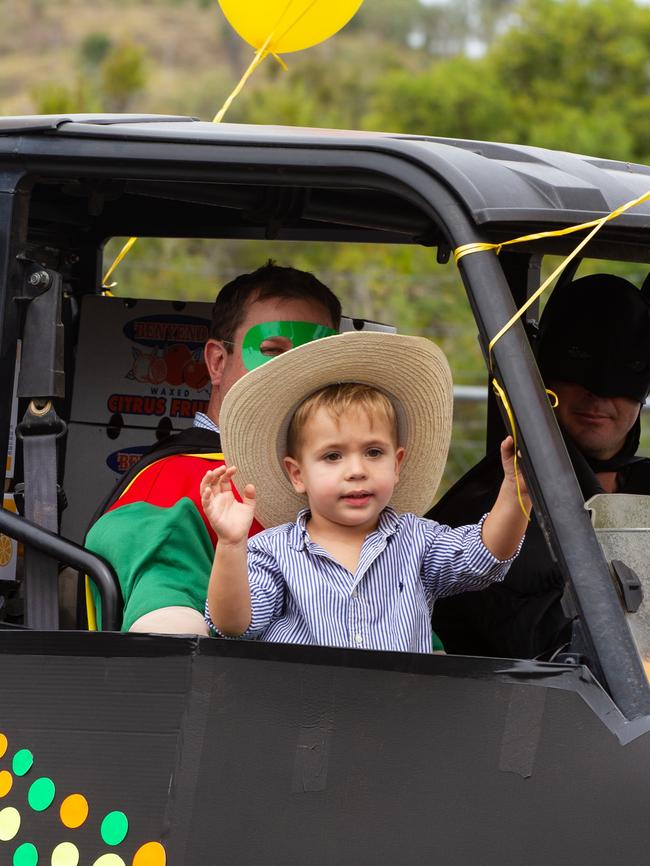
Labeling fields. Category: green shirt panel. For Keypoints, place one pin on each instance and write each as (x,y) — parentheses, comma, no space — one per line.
(162,556)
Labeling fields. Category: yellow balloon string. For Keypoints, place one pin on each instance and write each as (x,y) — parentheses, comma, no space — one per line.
(259,56)
(125,249)
(468,249)
(501,394)
(262,53)
(307,9)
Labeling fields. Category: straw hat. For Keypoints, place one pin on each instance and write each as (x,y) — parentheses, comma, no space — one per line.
(412,371)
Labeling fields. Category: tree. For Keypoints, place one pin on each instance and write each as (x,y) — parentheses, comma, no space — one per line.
(567,74)
(123,74)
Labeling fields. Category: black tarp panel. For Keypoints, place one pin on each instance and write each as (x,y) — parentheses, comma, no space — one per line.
(235,752)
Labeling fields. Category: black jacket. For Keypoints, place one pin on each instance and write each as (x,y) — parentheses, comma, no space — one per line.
(523,616)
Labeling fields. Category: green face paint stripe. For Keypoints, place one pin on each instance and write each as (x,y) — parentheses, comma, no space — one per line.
(298,333)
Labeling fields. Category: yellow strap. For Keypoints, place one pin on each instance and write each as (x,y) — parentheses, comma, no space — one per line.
(91,613)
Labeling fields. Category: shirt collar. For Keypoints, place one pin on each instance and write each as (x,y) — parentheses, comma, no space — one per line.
(299,536)
(205,422)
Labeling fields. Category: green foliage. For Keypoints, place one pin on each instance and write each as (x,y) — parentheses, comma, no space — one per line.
(55,98)
(567,74)
(453,98)
(123,74)
(578,75)
(94,48)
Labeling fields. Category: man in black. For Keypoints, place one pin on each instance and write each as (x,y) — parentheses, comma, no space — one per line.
(594,353)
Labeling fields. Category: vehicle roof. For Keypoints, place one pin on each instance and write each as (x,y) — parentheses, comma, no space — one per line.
(497,183)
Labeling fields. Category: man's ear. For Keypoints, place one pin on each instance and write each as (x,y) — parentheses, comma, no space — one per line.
(293,471)
(215,358)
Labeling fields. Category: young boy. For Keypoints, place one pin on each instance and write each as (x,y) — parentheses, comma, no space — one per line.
(350,571)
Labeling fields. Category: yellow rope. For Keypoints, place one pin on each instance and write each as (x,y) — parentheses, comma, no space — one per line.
(468,249)
(125,249)
(259,56)
(257,59)
(594,225)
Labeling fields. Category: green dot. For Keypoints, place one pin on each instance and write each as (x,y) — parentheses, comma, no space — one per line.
(115,826)
(41,793)
(22,762)
(26,855)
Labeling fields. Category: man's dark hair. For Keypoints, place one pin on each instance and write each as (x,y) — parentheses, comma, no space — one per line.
(269,281)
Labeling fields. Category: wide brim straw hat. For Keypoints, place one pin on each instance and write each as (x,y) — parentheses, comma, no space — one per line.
(411,371)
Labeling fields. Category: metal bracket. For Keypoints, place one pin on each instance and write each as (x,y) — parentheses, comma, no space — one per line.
(629,585)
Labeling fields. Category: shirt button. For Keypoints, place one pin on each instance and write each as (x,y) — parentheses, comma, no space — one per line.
(354,593)
(358,639)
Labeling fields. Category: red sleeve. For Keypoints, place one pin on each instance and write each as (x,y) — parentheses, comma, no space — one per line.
(169,479)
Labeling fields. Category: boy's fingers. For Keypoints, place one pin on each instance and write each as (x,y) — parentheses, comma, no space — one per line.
(226,478)
(248,496)
(212,476)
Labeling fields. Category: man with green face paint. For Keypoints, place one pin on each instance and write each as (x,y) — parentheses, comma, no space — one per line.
(153,530)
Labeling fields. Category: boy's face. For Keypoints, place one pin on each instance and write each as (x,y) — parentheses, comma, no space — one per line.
(347,466)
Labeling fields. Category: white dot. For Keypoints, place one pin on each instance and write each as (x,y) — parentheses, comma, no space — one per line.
(9,823)
(109,860)
(65,854)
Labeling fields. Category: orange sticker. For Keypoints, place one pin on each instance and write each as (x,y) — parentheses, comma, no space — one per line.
(6,781)
(150,854)
(3,744)
(74,810)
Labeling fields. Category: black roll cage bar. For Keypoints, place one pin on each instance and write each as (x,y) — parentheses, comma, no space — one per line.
(555,491)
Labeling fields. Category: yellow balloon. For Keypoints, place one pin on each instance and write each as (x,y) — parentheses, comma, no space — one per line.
(291,24)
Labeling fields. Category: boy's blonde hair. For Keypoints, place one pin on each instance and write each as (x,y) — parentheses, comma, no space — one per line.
(337,400)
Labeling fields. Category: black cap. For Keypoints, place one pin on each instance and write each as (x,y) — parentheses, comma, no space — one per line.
(595,332)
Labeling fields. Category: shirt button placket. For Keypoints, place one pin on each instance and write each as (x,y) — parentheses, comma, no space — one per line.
(355,613)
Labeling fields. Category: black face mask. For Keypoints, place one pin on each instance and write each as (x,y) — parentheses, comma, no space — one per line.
(595,332)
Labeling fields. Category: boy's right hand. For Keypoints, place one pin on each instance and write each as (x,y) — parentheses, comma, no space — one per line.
(230,519)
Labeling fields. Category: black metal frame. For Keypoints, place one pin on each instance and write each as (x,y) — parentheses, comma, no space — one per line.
(69,553)
(380,167)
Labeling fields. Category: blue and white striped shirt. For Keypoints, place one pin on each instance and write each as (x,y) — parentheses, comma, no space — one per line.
(300,594)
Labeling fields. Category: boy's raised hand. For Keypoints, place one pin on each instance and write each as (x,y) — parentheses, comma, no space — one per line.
(508,463)
(230,519)
(506,523)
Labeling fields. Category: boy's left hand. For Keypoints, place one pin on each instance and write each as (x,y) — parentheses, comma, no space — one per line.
(508,463)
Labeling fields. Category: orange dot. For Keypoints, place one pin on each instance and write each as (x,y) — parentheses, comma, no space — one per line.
(150,854)
(3,744)
(74,810)
(6,781)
